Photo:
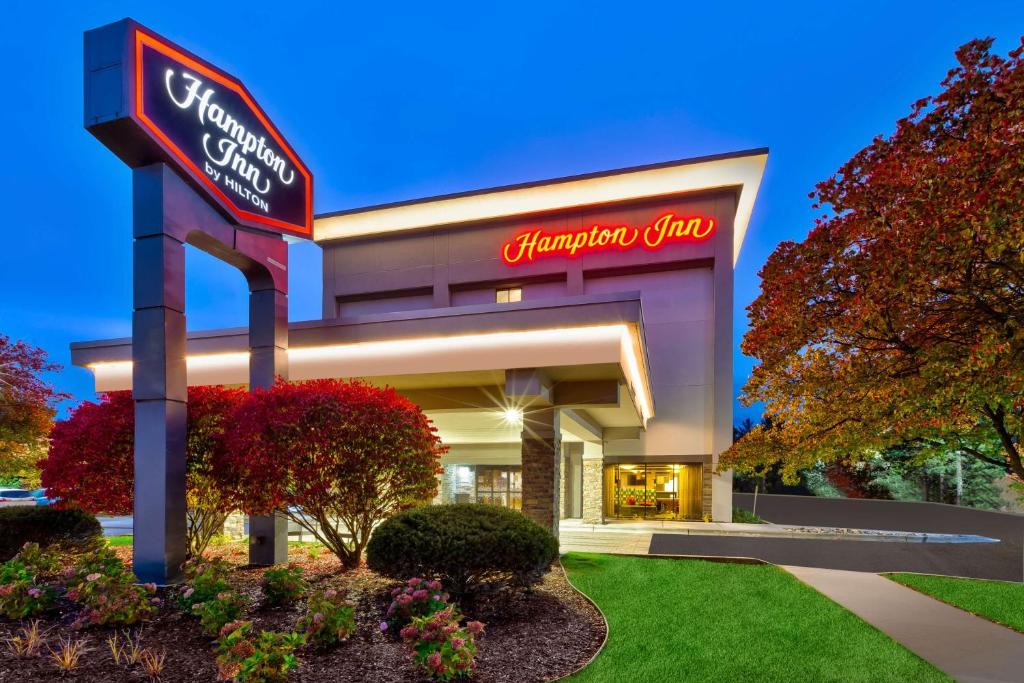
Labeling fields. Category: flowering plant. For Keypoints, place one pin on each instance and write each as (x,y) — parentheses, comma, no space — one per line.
(418,598)
(442,648)
(284,585)
(205,579)
(113,599)
(222,609)
(328,619)
(264,659)
(22,592)
(108,591)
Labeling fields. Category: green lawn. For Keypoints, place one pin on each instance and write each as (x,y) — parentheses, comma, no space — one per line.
(674,620)
(117,541)
(998,601)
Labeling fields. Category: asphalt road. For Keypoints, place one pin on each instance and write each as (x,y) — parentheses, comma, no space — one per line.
(1003,560)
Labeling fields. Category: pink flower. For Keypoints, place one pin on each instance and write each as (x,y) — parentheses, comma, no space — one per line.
(150,587)
(383,626)
(318,617)
(395,592)
(434,661)
(415,581)
(69,572)
(457,643)
(330,594)
(420,595)
(224,595)
(475,627)
(437,597)
(6,590)
(404,599)
(93,576)
(34,592)
(188,593)
(434,585)
(409,632)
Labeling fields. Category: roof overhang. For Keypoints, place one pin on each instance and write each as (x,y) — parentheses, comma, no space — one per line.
(574,340)
(741,171)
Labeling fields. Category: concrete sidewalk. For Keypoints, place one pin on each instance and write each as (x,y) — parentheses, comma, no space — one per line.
(966,647)
(766,530)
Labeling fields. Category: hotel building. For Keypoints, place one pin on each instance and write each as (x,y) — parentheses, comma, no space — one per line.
(571,339)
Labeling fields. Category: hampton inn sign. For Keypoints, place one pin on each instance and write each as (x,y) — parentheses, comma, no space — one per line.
(571,339)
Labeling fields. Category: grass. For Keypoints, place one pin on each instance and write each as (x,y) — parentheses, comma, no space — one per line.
(998,601)
(119,541)
(673,620)
(745,516)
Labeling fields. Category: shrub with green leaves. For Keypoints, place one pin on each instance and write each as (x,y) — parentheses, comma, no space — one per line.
(283,586)
(470,547)
(328,619)
(443,649)
(72,529)
(246,658)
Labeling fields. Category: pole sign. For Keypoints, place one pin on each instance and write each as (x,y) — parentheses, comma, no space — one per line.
(155,101)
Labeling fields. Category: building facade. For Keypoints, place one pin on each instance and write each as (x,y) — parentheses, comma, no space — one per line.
(572,340)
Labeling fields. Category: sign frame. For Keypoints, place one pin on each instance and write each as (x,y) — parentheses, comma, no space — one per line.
(114,113)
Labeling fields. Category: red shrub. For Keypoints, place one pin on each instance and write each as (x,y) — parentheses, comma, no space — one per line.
(90,463)
(346,454)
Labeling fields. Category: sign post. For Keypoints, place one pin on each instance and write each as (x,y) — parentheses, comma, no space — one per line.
(210,170)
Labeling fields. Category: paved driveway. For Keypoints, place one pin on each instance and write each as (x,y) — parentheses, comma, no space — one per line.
(1003,560)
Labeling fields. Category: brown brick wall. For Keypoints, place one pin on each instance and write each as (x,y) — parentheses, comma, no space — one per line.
(541,466)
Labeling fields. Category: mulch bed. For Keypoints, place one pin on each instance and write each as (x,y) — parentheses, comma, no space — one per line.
(537,636)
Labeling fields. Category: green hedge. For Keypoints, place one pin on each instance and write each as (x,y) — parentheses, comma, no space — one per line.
(470,548)
(46,526)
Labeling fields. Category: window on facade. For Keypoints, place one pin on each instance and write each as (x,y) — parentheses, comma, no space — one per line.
(500,485)
(653,491)
(509,295)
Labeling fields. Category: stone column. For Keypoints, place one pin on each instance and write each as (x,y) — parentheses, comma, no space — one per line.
(268,359)
(159,387)
(593,483)
(571,466)
(541,444)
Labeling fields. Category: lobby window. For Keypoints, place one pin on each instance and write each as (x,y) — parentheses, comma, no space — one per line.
(500,485)
(508,295)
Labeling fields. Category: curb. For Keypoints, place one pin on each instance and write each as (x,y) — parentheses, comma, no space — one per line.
(607,629)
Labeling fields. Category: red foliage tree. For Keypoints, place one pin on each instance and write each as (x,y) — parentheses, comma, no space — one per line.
(27,407)
(90,464)
(337,457)
(899,320)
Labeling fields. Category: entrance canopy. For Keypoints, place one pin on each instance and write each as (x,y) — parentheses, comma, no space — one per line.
(584,352)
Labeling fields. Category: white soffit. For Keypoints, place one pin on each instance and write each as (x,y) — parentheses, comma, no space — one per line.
(563,346)
(743,170)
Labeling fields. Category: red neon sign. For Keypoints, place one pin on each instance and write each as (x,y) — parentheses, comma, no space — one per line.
(528,246)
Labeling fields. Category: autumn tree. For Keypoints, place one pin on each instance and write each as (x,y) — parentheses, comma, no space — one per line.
(91,459)
(27,406)
(899,320)
(337,457)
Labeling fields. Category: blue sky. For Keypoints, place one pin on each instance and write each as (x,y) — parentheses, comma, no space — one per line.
(389,101)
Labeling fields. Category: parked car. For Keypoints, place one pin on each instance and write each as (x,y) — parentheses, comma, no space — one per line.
(22,497)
